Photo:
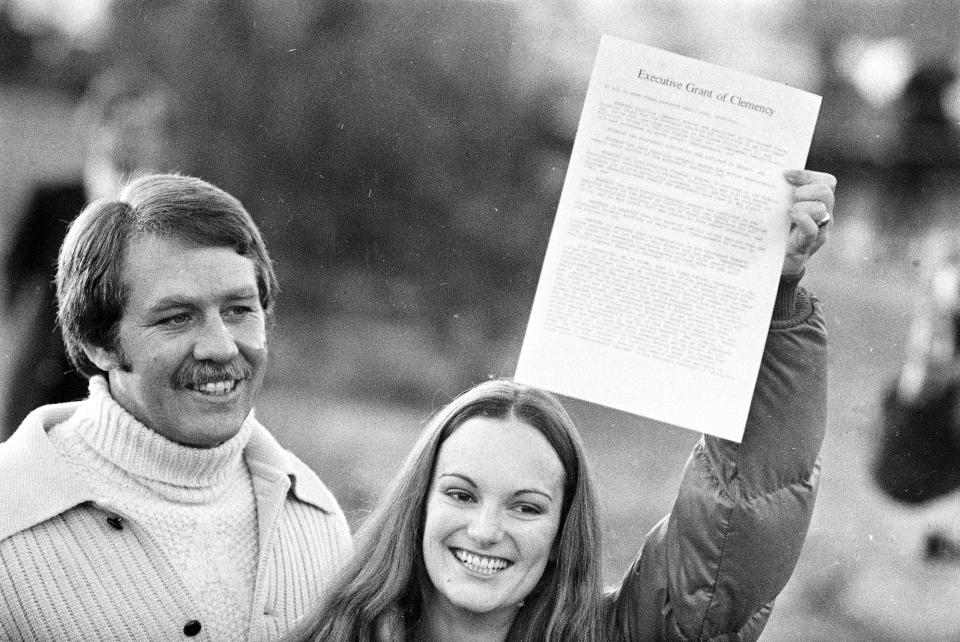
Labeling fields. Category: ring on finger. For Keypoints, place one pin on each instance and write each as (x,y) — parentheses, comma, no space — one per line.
(822,223)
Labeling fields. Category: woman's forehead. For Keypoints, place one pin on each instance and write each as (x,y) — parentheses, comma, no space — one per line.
(504,452)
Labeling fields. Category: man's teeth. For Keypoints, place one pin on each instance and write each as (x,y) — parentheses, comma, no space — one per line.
(216,387)
(481,564)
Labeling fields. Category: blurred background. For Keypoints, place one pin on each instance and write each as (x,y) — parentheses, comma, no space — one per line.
(404,160)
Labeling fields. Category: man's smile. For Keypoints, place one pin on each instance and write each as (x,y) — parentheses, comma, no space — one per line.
(215,388)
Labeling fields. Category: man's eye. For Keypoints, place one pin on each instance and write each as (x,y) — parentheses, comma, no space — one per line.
(175,320)
(238,311)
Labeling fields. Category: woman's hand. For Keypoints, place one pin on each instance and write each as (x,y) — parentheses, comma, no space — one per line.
(810,213)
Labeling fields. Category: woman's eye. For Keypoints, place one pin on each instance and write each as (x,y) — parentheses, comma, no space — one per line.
(528,509)
(459,495)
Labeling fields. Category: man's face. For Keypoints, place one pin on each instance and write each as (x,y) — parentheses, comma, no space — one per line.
(192,340)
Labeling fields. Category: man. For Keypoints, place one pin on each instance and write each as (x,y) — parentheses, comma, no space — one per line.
(158,507)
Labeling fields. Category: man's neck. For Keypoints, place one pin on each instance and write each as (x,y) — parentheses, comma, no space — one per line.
(116,435)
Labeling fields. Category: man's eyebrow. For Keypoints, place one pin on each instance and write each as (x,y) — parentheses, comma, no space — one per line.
(168,302)
(177,301)
(242,293)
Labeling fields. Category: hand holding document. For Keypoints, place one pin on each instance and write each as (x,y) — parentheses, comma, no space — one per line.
(659,280)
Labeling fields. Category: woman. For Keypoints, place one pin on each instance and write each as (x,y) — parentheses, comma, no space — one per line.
(489,531)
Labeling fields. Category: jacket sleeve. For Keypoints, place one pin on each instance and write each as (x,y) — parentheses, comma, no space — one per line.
(711,569)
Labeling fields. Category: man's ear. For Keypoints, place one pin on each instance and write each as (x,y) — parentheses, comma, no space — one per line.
(104,359)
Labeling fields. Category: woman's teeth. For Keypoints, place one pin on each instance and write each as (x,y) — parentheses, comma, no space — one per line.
(216,387)
(479,563)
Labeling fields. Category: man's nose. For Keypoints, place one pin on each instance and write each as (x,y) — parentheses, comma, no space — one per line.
(215,342)
(486,526)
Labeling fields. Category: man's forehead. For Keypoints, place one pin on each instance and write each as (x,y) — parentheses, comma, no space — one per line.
(157,268)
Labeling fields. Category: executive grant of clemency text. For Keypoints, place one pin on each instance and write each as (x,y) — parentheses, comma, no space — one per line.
(692,88)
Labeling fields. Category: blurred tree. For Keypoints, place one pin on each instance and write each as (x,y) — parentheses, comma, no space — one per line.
(16,47)
(39,54)
(371,138)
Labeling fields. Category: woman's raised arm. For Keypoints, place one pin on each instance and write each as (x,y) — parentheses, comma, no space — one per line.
(714,565)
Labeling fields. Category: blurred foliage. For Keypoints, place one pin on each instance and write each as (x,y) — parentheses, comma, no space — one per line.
(405,158)
(40,56)
(384,147)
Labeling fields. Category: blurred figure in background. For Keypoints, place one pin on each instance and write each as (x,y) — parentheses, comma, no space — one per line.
(918,457)
(912,596)
(127,121)
(925,155)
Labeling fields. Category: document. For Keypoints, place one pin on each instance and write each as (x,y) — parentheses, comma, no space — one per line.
(659,279)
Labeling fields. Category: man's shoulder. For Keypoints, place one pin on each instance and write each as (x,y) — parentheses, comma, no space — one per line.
(264,451)
(30,439)
(308,487)
(37,482)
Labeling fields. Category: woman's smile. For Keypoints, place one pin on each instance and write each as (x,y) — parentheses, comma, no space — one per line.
(481,564)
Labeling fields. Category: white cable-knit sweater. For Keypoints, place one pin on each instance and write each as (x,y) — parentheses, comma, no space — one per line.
(110,532)
(197,503)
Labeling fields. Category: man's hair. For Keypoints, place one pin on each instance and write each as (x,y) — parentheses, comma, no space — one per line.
(90,288)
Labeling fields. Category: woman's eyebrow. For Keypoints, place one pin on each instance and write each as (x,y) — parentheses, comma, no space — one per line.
(458,476)
(535,491)
(516,493)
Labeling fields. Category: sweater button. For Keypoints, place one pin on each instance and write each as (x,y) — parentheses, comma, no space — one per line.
(115,521)
(191,628)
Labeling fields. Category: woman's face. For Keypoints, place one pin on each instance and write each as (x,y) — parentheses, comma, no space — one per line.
(493,512)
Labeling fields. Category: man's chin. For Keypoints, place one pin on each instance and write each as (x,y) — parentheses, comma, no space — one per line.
(205,435)
(208,425)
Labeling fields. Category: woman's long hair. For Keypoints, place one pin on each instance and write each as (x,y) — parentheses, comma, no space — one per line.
(387,570)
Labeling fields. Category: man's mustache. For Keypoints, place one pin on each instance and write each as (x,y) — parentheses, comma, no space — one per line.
(197,373)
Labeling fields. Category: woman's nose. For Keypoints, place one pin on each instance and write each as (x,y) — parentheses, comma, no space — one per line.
(486,527)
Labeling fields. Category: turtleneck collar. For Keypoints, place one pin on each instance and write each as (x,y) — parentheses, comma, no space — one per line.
(118,437)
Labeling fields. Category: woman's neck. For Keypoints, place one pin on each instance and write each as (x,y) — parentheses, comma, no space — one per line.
(442,620)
